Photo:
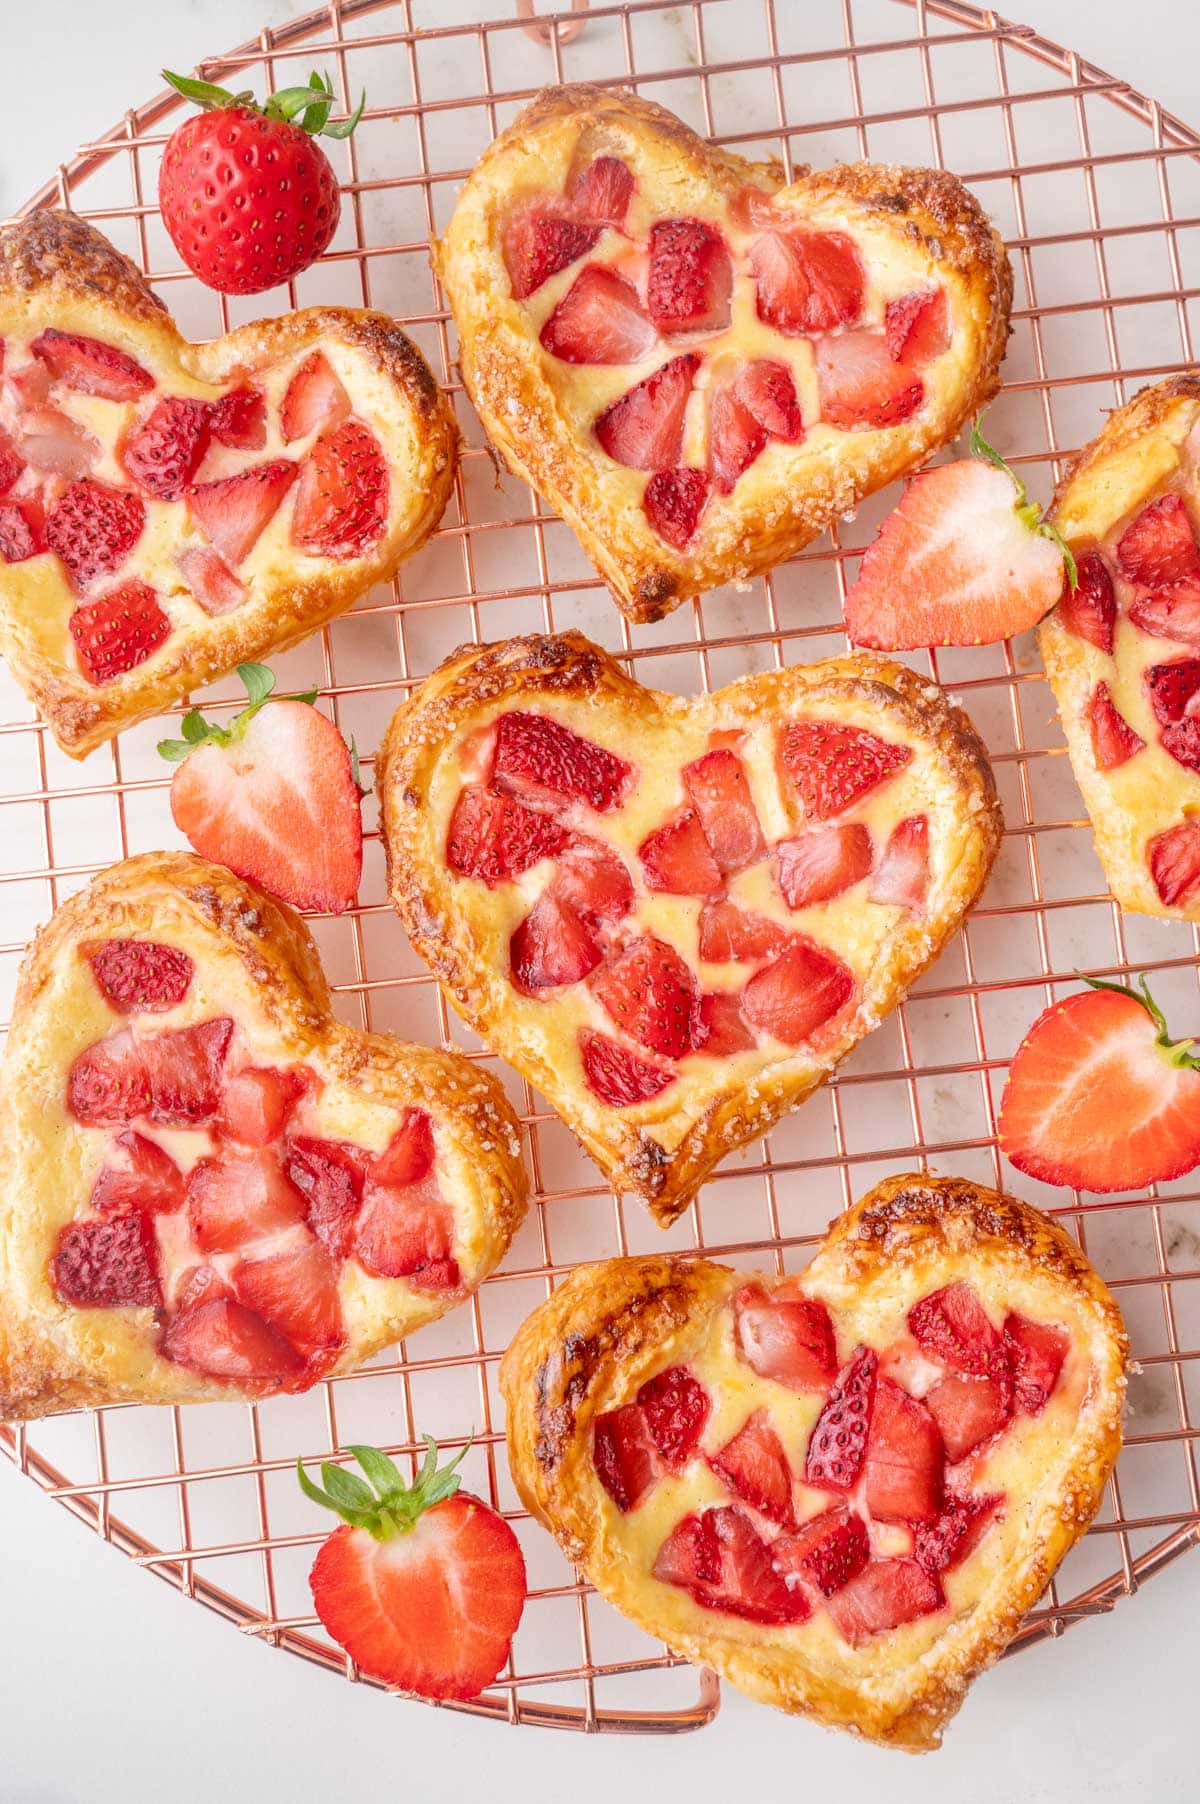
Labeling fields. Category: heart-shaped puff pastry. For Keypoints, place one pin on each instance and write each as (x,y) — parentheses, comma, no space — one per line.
(1123,649)
(168,510)
(211,1188)
(842,1490)
(699,367)
(676,917)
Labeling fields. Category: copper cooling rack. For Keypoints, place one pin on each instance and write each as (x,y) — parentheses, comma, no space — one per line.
(1097,191)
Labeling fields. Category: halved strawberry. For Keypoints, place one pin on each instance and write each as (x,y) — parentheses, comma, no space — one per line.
(140,976)
(885,1595)
(1182,741)
(233,511)
(210,579)
(1172,612)
(828,1550)
(673,502)
(1036,1353)
(969,1411)
(833,766)
(107,1084)
(837,1446)
(22,533)
(118,632)
(616,1076)
(1174,689)
(297,1293)
(146,1177)
(644,428)
(425,1591)
(731,934)
(599,320)
(755,1467)
(905,1458)
(1114,741)
(1159,546)
(54,444)
(1174,860)
(626,1459)
(962,560)
(650,992)
(823,863)
(329,1174)
(676,858)
(860,386)
(944,1543)
(724,1027)
(314,401)
(676,1407)
(691,277)
(540,760)
(93,528)
(495,839)
(766,389)
(602,191)
(166,450)
(726,1565)
(238,418)
(109,1264)
(735,438)
(1090,609)
(917,326)
(257,1101)
(784,1335)
(807,281)
(237,1199)
(1099,1097)
(593,880)
(804,987)
(221,1338)
(551,946)
(717,788)
(536,245)
(901,878)
(407,1232)
(90,366)
(952,1326)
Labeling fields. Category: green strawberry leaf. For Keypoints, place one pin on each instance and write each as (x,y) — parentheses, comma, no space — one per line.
(342,128)
(205,93)
(392,1507)
(259,681)
(174,750)
(308,107)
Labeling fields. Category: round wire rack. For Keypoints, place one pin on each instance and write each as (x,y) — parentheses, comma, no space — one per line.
(1097,192)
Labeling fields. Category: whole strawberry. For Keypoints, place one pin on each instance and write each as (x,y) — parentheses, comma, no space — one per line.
(246,192)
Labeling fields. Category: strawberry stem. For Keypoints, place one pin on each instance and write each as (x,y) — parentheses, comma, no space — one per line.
(259,682)
(1029,513)
(386,1506)
(1179,1052)
(307,107)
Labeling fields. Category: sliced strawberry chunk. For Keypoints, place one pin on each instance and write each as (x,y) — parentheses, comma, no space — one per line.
(1174,860)
(602,191)
(690,278)
(184,1071)
(724,1026)
(54,444)
(234,1200)
(885,1595)
(22,532)
(676,1407)
(210,580)
(541,761)
(146,1178)
(140,976)
(901,877)
(1172,612)
(784,1335)
(807,281)
(409,1155)
(91,367)
(804,987)
(257,1102)
(28,386)
(495,839)
(594,881)
(731,934)
(944,1543)
(626,1459)
(329,1174)
(618,1077)
(644,428)
(917,327)
(838,1444)
(1182,741)
(650,992)
(718,790)
(314,400)
(735,438)
(833,766)
(905,1458)
(1114,741)
(1036,1352)
(1159,546)
(118,632)
(552,946)
(1173,688)
(232,512)
(93,528)
(823,863)
(726,1565)
(110,1264)
(860,386)
(766,389)
(297,1293)
(404,1231)
(11,463)
(107,1084)
(951,1326)
(969,1411)
(673,503)
(599,320)
(222,1339)
(238,418)
(1090,609)
(676,858)
(537,245)
(828,1550)
(755,1467)
(166,450)
(200,1284)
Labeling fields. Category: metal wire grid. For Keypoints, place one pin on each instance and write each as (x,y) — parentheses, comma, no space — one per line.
(1098,193)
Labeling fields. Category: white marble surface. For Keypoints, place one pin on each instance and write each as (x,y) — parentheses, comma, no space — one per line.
(111,1688)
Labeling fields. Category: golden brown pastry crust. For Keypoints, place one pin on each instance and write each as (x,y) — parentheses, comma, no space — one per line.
(925,216)
(1142,446)
(56,270)
(608,1327)
(255,955)
(659,1150)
